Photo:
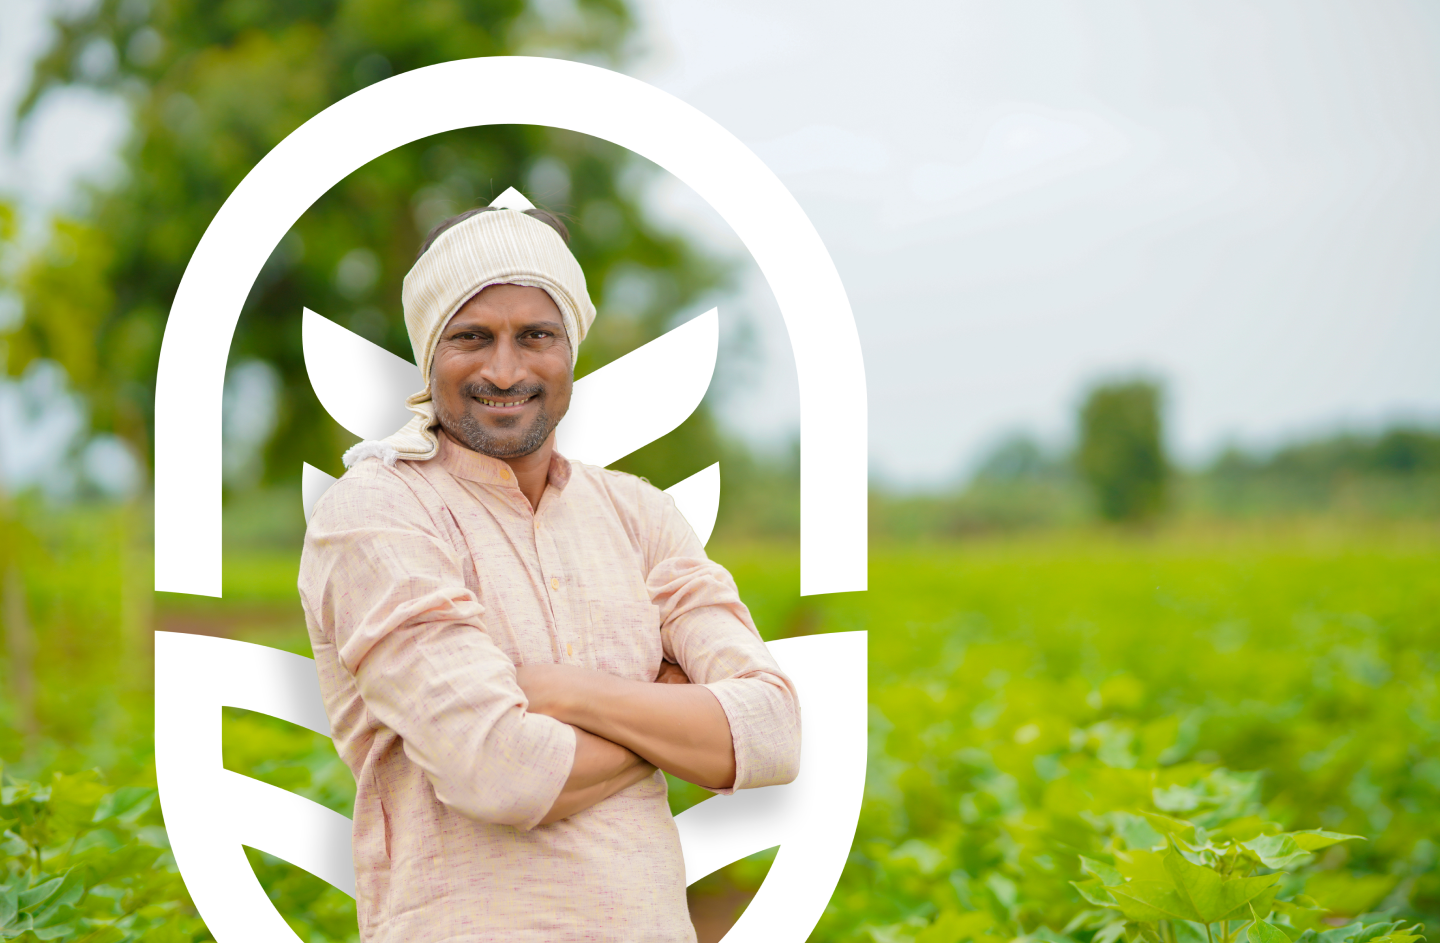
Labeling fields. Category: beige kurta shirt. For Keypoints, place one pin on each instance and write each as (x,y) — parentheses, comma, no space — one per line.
(424,585)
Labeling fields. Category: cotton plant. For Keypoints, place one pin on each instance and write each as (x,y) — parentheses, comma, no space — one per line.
(82,861)
(1203,868)
(1097,848)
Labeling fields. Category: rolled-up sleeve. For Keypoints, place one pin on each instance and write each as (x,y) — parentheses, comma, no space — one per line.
(707,630)
(386,587)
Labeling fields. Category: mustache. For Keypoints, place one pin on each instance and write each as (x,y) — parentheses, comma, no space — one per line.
(491,391)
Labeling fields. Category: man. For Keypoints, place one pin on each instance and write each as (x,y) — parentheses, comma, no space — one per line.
(489,621)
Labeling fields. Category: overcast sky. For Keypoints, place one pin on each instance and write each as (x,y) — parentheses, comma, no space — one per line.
(1239,198)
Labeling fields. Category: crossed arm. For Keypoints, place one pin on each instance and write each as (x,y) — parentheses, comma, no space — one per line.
(624,730)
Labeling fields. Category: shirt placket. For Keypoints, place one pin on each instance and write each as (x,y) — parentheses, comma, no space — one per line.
(557,584)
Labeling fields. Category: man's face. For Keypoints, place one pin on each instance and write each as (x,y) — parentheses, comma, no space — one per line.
(501,377)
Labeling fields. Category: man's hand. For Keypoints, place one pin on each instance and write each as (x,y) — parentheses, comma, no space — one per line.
(600,770)
(671,673)
(678,726)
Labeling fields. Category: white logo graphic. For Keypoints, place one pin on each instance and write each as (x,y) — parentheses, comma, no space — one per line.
(211,812)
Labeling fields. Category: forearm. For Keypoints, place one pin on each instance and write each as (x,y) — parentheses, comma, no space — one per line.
(601,769)
(680,728)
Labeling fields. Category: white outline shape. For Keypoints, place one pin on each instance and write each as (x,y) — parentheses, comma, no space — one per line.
(189,384)
(510,90)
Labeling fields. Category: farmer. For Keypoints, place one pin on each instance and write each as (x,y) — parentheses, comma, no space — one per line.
(489,620)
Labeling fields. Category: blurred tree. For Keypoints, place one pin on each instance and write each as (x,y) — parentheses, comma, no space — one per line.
(212,87)
(1017,457)
(1122,452)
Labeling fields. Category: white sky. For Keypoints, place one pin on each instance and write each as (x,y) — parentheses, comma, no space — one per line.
(1239,198)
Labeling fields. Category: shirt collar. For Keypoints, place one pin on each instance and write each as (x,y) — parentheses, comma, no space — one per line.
(466,463)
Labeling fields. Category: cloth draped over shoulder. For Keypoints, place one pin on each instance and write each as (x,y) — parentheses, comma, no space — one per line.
(497,247)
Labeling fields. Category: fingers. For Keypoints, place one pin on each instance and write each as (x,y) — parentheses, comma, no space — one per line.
(671,674)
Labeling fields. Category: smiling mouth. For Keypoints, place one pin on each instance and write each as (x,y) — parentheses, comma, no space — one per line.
(504,403)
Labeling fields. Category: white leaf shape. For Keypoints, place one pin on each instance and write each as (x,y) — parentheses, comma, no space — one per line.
(209,811)
(361,385)
(698,499)
(313,483)
(812,819)
(512,199)
(635,399)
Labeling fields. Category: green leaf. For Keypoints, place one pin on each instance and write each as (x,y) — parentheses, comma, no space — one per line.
(1141,865)
(1277,851)
(1316,838)
(1141,933)
(1047,935)
(1149,901)
(1209,896)
(1245,828)
(1109,933)
(53,916)
(113,934)
(39,894)
(1166,825)
(21,924)
(1304,913)
(1374,931)
(70,891)
(951,926)
(9,904)
(1262,903)
(1177,799)
(1408,935)
(1108,874)
(1262,932)
(1094,891)
(54,932)
(126,802)
(1136,831)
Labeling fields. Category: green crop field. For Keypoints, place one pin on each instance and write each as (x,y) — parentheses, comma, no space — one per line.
(1051,715)
(1024,690)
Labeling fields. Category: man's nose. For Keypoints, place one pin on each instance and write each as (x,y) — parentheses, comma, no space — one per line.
(504,367)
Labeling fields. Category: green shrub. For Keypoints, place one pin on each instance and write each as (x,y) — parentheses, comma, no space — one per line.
(85,862)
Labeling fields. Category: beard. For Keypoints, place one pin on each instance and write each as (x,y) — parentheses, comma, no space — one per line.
(512,442)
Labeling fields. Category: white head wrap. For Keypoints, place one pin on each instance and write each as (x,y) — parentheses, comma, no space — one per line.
(497,247)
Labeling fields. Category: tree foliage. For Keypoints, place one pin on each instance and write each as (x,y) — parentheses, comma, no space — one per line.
(1122,450)
(212,87)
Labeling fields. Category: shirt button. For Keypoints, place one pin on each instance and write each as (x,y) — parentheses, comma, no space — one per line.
(554,583)
(505,473)
(569,652)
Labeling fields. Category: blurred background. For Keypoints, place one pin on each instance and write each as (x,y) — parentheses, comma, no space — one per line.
(1150,305)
